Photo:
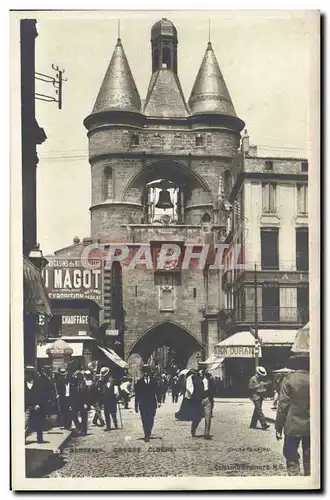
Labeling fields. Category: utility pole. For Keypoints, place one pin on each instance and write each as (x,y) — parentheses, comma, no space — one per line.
(56,81)
(256,344)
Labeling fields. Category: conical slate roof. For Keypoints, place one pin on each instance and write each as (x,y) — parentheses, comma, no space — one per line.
(165,97)
(118,90)
(210,93)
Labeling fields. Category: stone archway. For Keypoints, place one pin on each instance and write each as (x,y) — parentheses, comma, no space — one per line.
(169,334)
(170,170)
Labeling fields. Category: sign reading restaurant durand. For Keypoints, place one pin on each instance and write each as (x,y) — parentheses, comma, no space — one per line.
(235,351)
(69,279)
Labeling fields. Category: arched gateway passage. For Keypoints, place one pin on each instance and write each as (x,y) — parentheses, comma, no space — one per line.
(167,337)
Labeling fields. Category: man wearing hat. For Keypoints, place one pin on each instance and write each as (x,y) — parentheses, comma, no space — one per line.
(48,389)
(258,388)
(293,415)
(66,394)
(98,384)
(109,394)
(34,403)
(147,399)
(201,393)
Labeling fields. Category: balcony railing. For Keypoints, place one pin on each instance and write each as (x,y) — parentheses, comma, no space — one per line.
(272,315)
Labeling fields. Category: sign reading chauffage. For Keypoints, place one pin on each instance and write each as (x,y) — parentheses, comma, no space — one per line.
(69,279)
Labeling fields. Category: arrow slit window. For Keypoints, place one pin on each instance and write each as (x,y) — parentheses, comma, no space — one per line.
(107,183)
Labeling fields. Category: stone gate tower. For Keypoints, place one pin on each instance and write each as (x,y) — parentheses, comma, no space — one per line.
(181,152)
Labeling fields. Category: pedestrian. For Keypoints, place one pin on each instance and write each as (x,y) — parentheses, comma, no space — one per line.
(258,389)
(98,383)
(34,403)
(202,391)
(175,388)
(110,394)
(163,384)
(48,389)
(85,398)
(125,390)
(293,416)
(147,399)
(277,383)
(66,394)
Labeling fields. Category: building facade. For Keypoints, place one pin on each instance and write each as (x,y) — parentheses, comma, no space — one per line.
(269,221)
(169,171)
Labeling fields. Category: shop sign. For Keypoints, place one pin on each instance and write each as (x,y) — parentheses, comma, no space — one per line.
(112,333)
(236,351)
(75,320)
(69,279)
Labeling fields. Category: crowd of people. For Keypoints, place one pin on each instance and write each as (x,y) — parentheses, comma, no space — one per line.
(72,396)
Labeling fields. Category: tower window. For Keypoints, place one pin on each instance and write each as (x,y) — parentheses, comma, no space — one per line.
(206,218)
(228,182)
(304,166)
(178,141)
(268,165)
(166,57)
(194,292)
(199,140)
(107,183)
(209,140)
(155,60)
(135,139)
(156,141)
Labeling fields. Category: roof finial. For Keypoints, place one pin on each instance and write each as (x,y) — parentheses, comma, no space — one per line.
(118,29)
(209,30)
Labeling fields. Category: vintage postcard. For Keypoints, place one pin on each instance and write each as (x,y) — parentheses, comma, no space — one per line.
(165,250)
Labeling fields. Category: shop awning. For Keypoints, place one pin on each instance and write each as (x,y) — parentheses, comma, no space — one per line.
(301,342)
(113,356)
(241,344)
(35,295)
(213,362)
(77,348)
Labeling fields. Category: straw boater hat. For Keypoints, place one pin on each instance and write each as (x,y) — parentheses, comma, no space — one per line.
(30,368)
(104,371)
(62,371)
(261,371)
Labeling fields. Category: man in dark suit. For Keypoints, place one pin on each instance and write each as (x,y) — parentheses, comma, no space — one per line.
(34,403)
(175,388)
(109,396)
(293,415)
(147,399)
(66,394)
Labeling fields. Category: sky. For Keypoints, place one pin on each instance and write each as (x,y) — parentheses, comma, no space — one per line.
(264,57)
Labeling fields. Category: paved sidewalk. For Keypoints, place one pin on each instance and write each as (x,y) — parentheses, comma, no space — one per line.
(39,455)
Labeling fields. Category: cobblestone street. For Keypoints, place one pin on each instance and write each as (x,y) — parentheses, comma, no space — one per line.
(235,450)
